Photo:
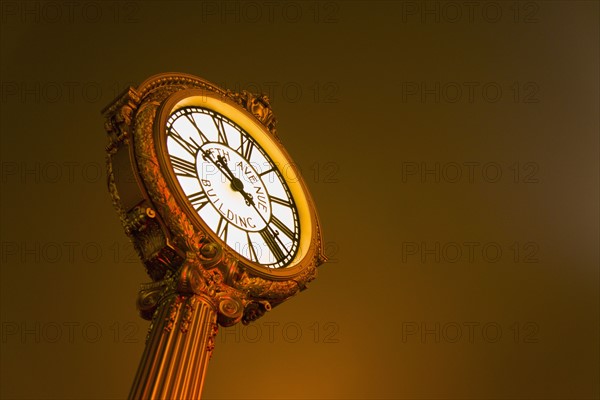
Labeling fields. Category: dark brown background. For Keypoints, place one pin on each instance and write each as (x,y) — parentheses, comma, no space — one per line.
(397,313)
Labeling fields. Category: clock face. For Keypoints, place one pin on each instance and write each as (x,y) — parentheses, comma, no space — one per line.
(234,186)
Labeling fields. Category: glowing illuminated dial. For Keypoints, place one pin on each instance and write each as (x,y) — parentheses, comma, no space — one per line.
(234,186)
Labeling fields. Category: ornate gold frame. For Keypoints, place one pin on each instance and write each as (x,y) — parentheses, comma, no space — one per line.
(265,138)
(166,235)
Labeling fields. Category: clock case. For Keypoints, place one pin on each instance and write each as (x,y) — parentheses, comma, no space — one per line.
(181,255)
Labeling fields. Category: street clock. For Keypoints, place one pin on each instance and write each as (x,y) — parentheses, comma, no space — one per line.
(217,212)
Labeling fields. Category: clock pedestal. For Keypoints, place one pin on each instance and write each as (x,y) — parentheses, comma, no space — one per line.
(184,310)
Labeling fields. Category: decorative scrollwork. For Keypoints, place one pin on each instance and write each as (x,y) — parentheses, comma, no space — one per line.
(148,298)
(191,280)
(257,105)
(210,254)
(255,310)
(172,314)
(212,332)
(180,256)
(188,312)
(137,219)
(120,114)
(231,309)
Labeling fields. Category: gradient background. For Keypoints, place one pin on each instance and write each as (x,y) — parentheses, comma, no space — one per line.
(398,312)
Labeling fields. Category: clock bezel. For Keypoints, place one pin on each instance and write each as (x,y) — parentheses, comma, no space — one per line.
(308,248)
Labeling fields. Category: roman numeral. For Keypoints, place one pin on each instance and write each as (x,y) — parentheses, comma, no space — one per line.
(277,200)
(221,131)
(198,200)
(191,148)
(222,229)
(267,171)
(191,119)
(251,250)
(271,242)
(183,167)
(282,227)
(246,146)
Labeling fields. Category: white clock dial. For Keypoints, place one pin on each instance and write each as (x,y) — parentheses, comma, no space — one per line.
(234,186)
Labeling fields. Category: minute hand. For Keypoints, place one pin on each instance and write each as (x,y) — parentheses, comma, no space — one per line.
(274,232)
(236,183)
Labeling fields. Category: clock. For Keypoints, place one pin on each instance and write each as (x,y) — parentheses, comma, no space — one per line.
(216,210)
(198,172)
(232,183)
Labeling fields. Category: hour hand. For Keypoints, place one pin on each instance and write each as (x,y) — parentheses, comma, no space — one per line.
(222,163)
(236,183)
(207,155)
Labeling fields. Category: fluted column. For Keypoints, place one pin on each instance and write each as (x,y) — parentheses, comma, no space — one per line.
(178,348)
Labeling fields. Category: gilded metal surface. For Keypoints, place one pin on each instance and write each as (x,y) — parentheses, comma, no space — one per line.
(259,106)
(196,282)
(160,228)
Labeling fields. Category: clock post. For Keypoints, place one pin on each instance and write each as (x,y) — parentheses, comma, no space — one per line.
(178,349)
(222,238)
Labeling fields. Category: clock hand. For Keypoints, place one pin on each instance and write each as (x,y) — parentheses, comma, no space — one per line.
(275,232)
(236,183)
(207,155)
